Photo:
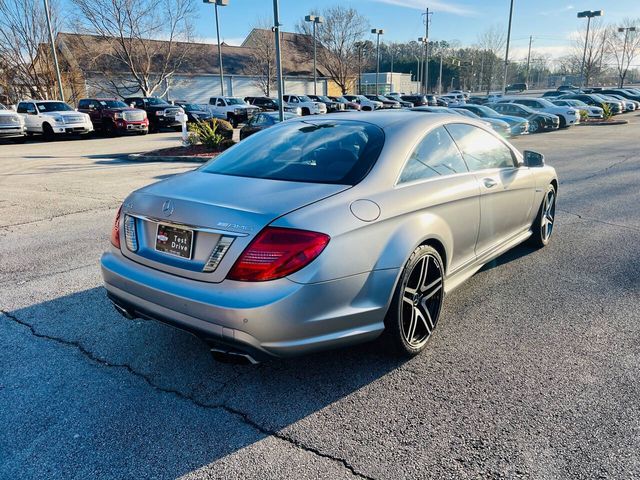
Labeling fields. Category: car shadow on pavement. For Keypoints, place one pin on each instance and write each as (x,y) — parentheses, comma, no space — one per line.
(145,397)
(515,253)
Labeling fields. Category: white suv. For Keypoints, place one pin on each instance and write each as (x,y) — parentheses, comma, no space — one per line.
(234,109)
(11,125)
(568,115)
(52,117)
(307,106)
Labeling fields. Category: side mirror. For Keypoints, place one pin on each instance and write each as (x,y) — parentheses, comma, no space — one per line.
(533,159)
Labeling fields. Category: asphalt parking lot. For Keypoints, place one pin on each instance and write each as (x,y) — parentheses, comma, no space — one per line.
(532,372)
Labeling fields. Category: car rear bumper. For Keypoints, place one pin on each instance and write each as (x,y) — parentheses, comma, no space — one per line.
(277,318)
(10,132)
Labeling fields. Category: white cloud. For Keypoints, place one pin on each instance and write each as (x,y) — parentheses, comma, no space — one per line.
(555,51)
(435,5)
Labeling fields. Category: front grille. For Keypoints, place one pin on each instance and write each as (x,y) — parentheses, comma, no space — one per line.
(171,112)
(73,119)
(218,252)
(130,234)
(133,115)
(9,120)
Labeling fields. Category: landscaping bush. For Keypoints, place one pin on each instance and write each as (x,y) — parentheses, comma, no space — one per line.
(206,134)
(584,116)
(226,143)
(607,111)
(224,128)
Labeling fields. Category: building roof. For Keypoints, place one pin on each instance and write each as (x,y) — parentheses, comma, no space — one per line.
(93,53)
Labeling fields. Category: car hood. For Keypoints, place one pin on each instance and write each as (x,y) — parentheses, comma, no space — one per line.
(496,122)
(511,120)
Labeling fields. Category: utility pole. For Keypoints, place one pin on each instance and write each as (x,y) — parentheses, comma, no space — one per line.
(391,87)
(484,53)
(315,20)
(276,31)
(216,3)
(53,49)
(423,41)
(440,76)
(426,48)
(528,60)
(378,32)
(506,54)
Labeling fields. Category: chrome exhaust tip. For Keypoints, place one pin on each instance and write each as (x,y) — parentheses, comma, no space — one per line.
(123,311)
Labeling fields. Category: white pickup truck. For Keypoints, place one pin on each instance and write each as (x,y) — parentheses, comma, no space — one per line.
(12,125)
(365,103)
(234,109)
(306,104)
(52,117)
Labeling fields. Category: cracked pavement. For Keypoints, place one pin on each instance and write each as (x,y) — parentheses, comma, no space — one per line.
(531,374)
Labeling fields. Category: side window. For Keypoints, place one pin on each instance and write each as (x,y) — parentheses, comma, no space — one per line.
(261,120)
(480,149)
(138,103)
(293,99)
(83,104)
(220,103)
(435,155)
(22,107)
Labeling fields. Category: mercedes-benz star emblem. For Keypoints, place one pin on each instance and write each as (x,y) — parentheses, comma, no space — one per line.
(167,208)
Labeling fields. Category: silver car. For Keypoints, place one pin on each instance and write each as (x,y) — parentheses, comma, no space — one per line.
(320,233)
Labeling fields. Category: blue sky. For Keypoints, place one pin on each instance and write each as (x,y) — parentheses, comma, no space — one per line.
(552,22)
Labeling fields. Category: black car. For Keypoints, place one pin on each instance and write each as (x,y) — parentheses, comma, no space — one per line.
(441,102)
(160,113)
(195,112)
(403,103)
(386,103)
(477,100)
(594,100)
(538,121)
(517,87)
(261,121)
(553,94)
(420,100)
(623,92)
(565,88)
(332,105)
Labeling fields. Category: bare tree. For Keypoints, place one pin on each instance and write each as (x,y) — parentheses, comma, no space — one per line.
(25,58)
(135,44)
(342,28)
(262,62)
(596,52)
(492,42)
(624,46)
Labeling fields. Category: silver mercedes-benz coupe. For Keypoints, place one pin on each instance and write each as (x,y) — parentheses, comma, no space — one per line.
(325,232)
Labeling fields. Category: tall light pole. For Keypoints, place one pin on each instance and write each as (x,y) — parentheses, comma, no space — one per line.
(53,49)
(526,80)
(588,14)
(377,32)
(221,3)
(506,53)
(360,48)
(315,20)
(626,31)
(276,32)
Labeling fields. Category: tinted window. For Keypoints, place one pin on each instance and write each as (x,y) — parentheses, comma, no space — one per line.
(26,107)
(481,150)
(435,155)
(84,103)
(317,151)
(53,107)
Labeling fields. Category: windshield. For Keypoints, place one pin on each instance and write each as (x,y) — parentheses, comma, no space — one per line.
(304,98)
(155,101)
(322,151)
(2,107)
(545,102)
(113,104)
(190,107)
(489,112)
(324,98)
(462,111)
(235,101)
(53,107)
(341,100)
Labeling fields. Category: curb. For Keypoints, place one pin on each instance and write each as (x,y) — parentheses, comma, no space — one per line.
(139,157)
(615,122)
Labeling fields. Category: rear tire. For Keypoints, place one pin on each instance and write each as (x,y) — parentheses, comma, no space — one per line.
(543,224)
(417,302)
(305,111)
(535,126)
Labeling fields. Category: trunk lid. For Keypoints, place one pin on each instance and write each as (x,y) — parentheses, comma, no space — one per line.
(224,213)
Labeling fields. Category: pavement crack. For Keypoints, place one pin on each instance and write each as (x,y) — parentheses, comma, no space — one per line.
(87,210)
(609,167)
(239,414)
(597,220)
(47,274)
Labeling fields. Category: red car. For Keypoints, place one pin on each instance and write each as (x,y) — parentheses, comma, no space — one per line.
(114,117)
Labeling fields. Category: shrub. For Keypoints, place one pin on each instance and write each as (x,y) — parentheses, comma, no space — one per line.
(607,111)
(584,115)
(206,134)
(226,143)
(224,128)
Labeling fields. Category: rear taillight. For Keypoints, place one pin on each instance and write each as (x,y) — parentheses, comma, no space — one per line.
(115,231)
(277,252)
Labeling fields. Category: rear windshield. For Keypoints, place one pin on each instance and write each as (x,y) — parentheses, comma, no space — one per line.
(318,151)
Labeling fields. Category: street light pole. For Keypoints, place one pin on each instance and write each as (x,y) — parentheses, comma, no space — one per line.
(423,41)
(426,48)
(276,31)
(216,3)
(528,60)
(506,53)
(626,31)
(315,20)
(378,32)
(53,49)
(589,14)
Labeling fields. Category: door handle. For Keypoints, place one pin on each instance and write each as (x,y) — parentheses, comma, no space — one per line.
(489,182)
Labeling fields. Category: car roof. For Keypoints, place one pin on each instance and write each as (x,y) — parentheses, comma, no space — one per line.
(389,119)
